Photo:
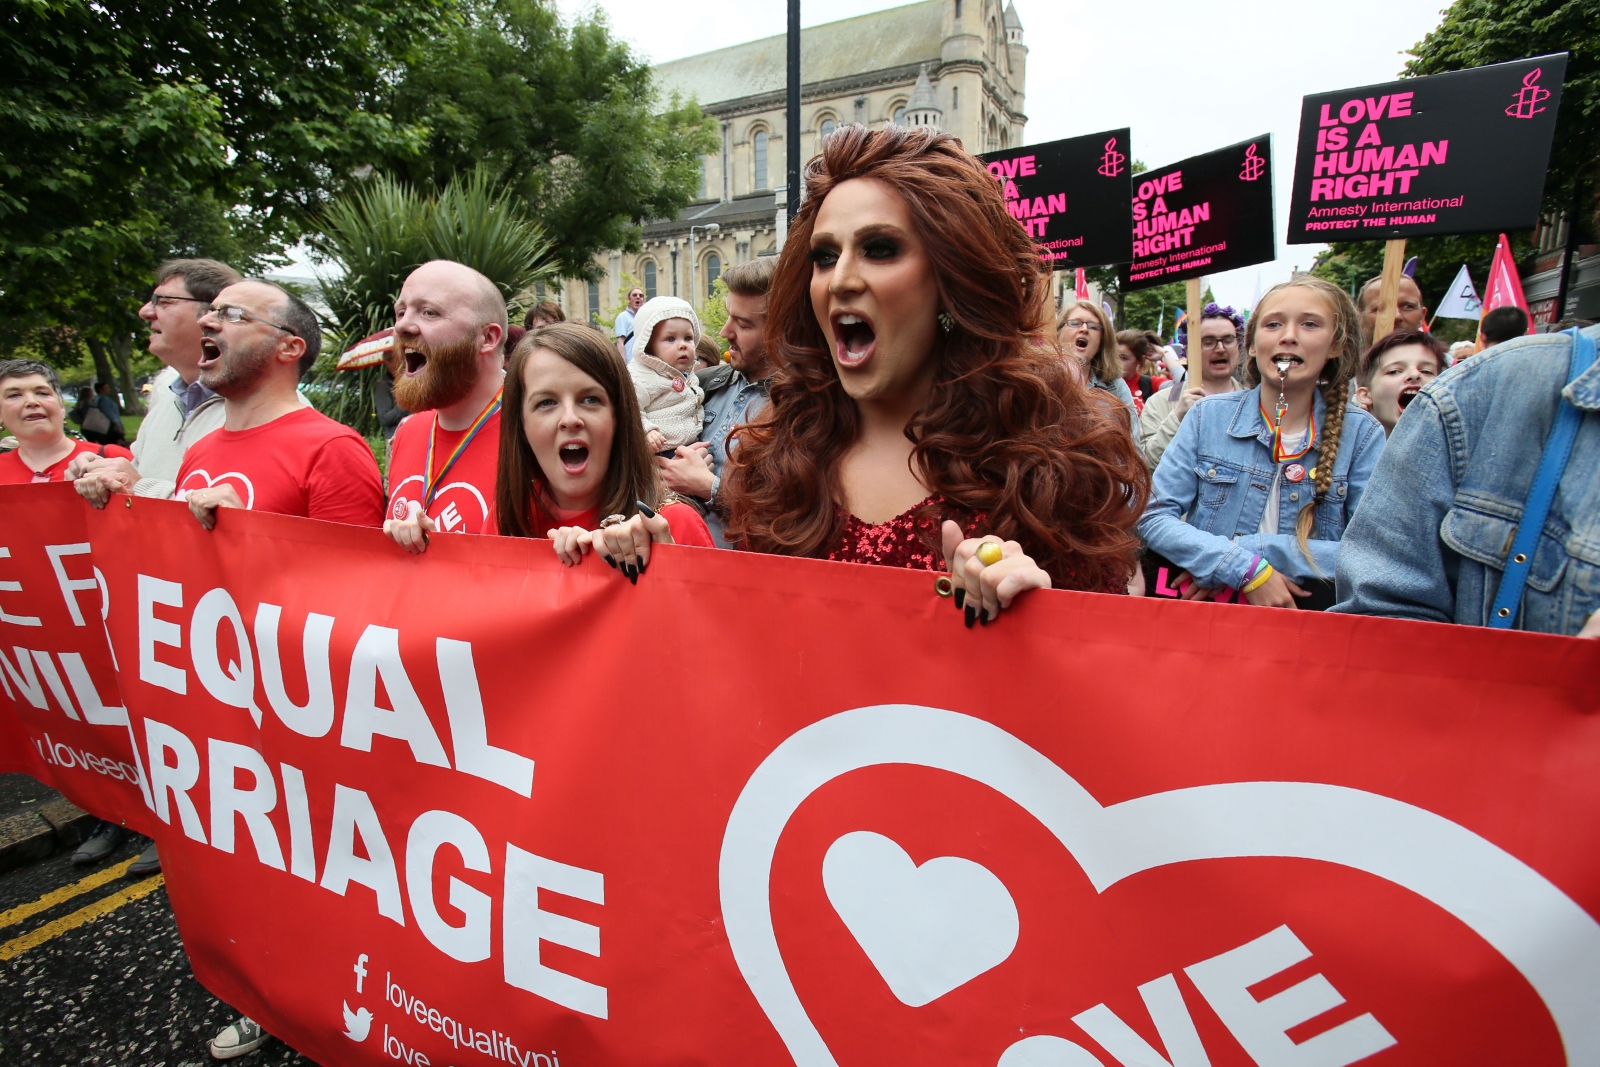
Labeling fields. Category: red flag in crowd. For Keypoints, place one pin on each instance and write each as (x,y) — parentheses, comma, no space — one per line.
(1504,287)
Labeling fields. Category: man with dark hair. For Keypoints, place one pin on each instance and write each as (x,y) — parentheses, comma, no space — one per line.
(543,314)
(273,452)
(1410,312)
(1394,370)
(110,431)
(735,391)
(1502,324)
(448,362)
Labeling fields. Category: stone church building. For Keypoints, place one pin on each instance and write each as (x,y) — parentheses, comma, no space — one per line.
(954,65)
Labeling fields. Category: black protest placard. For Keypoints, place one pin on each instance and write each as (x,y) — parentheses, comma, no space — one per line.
(1463,152)
(1071,196)
(1208,213)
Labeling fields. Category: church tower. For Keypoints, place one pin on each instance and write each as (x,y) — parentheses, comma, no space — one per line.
(923,107)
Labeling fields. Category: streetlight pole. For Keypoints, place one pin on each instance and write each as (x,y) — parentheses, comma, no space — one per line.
(710,227)
(792,136)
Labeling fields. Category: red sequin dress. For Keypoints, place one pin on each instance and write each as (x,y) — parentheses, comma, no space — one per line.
(908,540)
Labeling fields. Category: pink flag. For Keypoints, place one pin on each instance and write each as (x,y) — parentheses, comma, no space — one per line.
(1504,287)
(1082,290)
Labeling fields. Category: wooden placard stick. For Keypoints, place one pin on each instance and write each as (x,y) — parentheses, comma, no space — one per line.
(1394,261)
(1192,352)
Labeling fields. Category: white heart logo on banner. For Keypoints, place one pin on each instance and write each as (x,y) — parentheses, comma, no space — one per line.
(1540,930)
(226,476)
(927,929)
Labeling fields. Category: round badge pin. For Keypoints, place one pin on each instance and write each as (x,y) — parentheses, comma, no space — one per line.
(1294,473)
(677,385)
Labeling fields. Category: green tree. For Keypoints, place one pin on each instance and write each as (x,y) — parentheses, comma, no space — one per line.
(564,116)
(132,131)
(1471,34)
(1477,32)
(375,235)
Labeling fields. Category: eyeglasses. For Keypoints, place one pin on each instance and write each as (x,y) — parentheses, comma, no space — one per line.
(163,300)
(235,313)
(1080,324)
(1213,344)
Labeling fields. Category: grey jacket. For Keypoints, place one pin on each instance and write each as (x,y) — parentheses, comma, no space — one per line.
(1431,537)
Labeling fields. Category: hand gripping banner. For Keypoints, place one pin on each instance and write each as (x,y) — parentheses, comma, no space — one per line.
(476,808)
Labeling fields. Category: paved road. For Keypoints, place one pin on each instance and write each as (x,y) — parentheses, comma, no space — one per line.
(114,990)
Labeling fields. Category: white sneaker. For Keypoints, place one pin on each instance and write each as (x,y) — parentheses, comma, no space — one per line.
(239,1039)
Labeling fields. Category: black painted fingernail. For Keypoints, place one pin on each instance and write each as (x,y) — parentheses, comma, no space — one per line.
(642,565)
(644,509)
(972,616)
(961,598)
(610,562)
(983,616)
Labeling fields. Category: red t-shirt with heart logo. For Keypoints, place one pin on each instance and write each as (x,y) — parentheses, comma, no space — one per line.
(465,500)
(303,463)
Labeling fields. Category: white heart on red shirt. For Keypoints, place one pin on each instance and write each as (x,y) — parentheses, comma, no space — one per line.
(239,480)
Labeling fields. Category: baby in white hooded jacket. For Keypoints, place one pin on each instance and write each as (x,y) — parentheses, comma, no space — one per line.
(671,401)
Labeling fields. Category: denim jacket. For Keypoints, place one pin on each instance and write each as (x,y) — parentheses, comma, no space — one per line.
(1431,540)
(1210,492)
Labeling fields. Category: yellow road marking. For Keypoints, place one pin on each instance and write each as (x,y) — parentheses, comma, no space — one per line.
(66,892)
(86,914)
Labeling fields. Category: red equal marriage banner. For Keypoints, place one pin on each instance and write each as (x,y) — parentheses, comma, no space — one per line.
(475,807)
(69,728)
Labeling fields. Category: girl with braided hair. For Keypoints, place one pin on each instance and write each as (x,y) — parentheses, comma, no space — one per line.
(1257,487)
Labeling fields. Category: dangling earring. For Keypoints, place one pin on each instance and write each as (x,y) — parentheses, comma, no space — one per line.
(947,321)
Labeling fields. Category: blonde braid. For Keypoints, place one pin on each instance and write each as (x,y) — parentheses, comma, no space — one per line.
(1334,396)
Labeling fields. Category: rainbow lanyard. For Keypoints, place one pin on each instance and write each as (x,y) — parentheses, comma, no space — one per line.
(434,482)
(1279,455)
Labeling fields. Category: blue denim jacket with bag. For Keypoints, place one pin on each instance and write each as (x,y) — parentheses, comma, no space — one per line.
(1431,540)
(1210,492)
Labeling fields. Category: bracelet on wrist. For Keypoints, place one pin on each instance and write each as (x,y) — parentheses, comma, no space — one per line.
(1258,581)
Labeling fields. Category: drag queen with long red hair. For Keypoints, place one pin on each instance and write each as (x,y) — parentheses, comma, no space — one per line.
(922,405)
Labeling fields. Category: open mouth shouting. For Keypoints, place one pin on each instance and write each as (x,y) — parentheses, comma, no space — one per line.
(574,457)
(210,352)
(414,359)
(1407,395)
(854,339)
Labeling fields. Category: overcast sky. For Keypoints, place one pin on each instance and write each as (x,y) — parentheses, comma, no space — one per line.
(1186,77)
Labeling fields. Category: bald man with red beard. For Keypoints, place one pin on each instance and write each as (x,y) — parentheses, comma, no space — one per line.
(448,362)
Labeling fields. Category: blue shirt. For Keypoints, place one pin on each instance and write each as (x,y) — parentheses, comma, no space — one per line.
(737,402)
(190,396)
(1210,492)
(624,328)
(1431,540)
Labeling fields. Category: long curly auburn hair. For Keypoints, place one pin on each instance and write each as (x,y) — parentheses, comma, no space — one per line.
(1009,437)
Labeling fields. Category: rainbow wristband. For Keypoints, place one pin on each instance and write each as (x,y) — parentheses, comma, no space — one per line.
(1259,580)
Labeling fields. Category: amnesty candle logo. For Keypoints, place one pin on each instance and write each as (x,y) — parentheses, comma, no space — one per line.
(1530,97)
(1254,166)
(1111,162)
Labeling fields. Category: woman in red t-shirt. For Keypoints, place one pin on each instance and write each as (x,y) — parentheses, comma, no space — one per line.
(32,411)
(573,449)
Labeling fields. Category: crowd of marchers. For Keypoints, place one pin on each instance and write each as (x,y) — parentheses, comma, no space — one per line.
(898,390)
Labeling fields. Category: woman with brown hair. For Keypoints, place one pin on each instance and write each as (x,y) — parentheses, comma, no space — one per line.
(922,407)
(572,448)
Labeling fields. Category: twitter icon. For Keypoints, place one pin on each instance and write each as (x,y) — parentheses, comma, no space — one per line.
(356,1023)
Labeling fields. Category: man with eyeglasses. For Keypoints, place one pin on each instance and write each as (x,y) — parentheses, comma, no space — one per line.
(273,453)
(1221,342)
(182,409)
(1410,312)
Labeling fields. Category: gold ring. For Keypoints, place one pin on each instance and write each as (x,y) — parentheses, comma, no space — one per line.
(943,585)
(989,553)
(611,520)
